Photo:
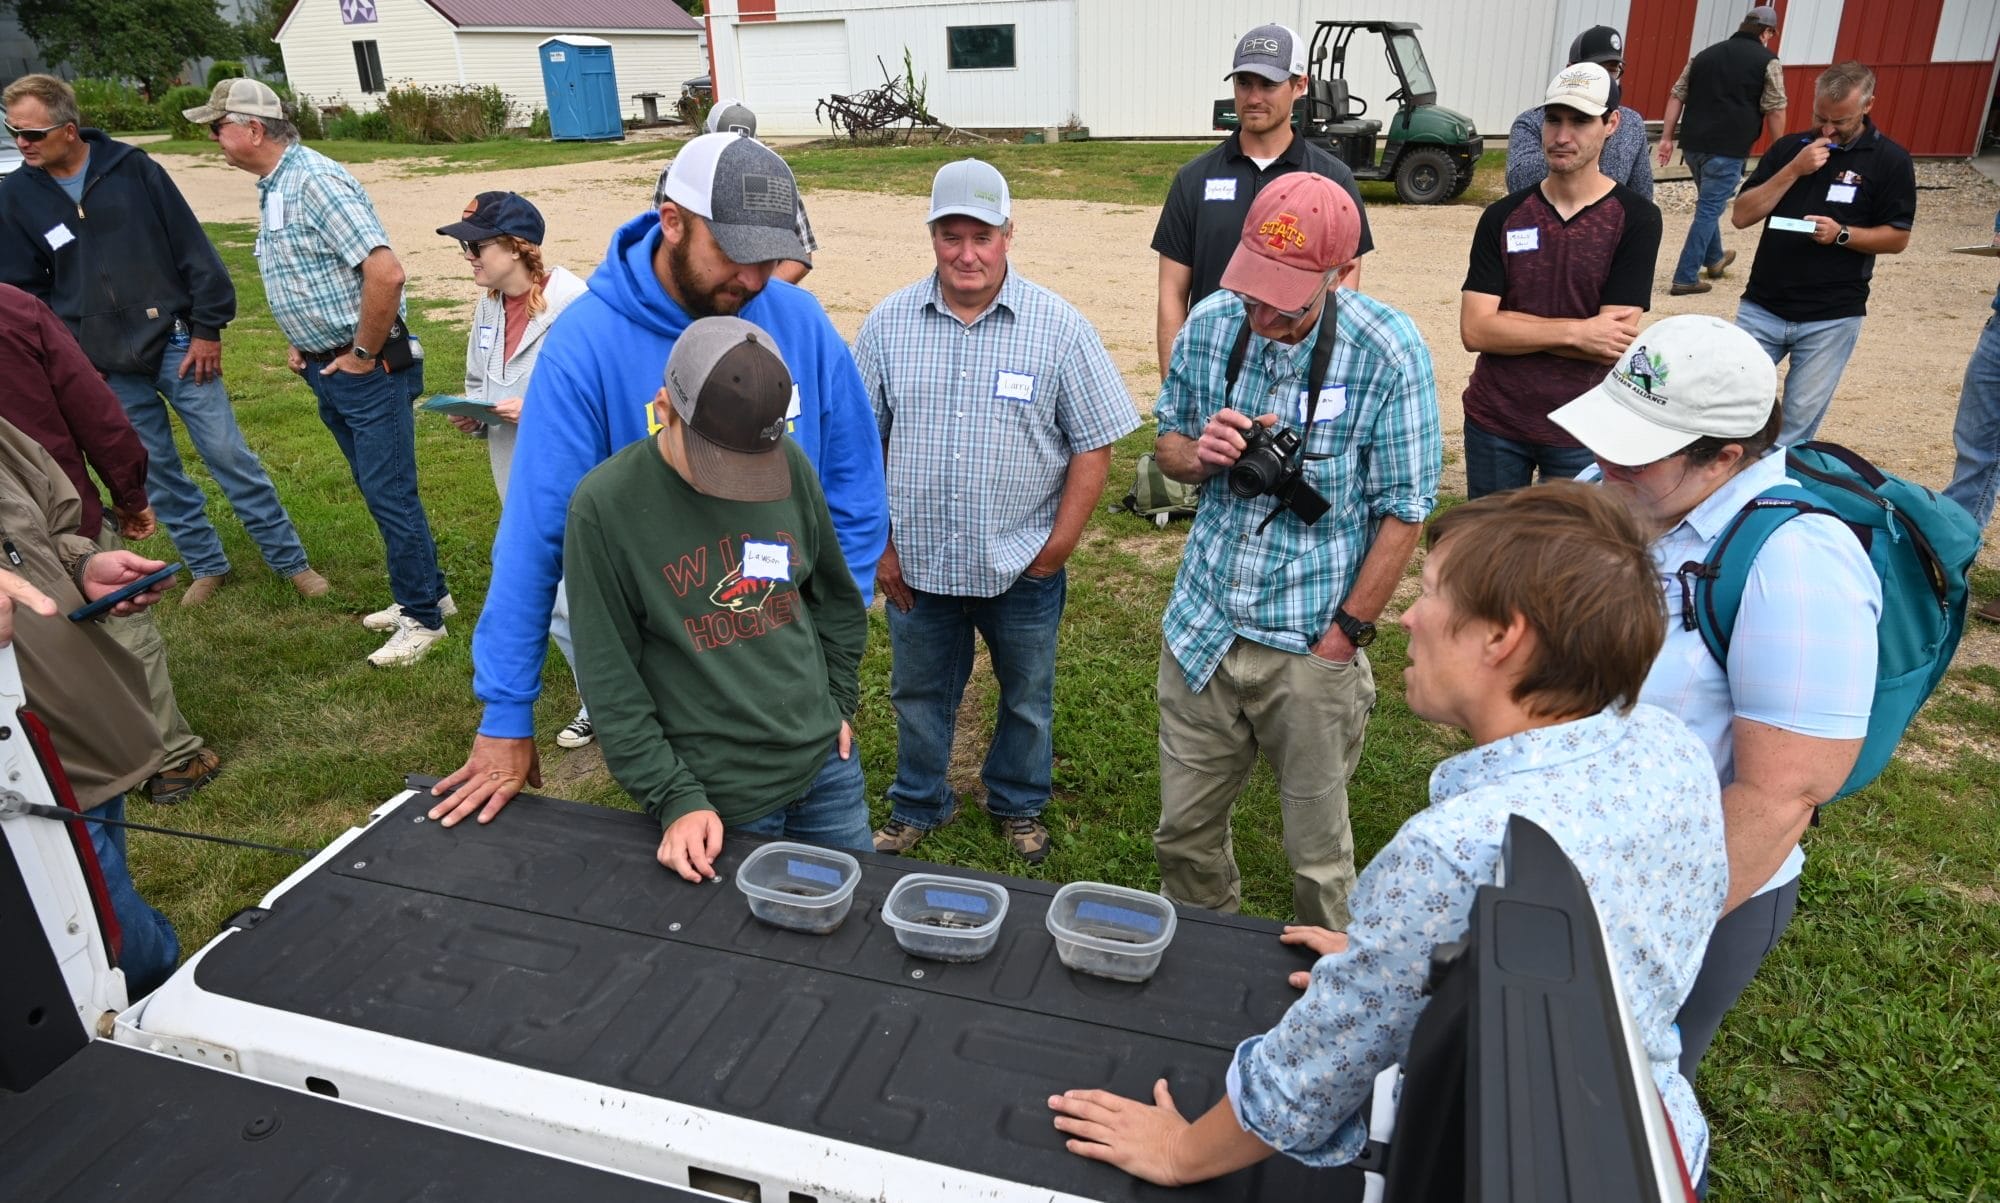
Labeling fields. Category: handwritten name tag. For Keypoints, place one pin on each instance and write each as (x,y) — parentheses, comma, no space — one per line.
(766,561)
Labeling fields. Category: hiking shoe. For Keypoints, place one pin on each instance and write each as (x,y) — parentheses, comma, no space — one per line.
(169,786)
(897,837)
(310,583)
(385,620)
(411,643)
(202,588)
(1721,265)
(1028,836)
(579,732)
(1990,611)
(1684,290)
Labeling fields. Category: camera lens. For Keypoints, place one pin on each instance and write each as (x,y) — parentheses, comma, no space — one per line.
(1252,475)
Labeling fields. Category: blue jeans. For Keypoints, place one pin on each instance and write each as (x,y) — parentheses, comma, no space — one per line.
(834,812)
(151,949)
(931,649)
(1715,180)
(1975,482)
(370,418)
(1494,463)
(178,501)
(1819,352)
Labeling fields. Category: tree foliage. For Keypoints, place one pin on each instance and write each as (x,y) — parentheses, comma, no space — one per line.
(257,32)
(149,41)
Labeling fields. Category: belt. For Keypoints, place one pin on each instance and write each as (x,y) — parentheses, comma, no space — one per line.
(327,356)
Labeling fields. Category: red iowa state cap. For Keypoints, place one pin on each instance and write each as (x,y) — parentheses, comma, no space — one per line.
(1300,227)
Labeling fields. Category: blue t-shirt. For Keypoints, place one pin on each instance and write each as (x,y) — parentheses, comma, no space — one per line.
(73,186)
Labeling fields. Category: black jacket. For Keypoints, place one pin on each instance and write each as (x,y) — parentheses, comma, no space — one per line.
(120,267)
(1725,97)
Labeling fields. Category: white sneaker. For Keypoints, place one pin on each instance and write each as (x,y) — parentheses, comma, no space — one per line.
(578,733)
(385,620)
(411,642)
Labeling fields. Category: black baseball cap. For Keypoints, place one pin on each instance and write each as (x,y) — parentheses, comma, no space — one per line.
(1598,44)
(730,386)
(491,214)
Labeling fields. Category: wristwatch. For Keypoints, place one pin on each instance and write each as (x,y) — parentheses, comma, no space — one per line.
(1358,633)
(1840,239)
(362,353)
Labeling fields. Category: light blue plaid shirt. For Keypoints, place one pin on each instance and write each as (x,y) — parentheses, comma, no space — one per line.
(982,419)
(315,226)
(1377,422)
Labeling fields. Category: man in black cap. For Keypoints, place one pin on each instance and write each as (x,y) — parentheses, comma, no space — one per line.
(718,628)
(1624,157)
(1729,90)
(1202,220)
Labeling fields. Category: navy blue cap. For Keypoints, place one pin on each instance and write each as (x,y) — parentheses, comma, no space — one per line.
(493,213)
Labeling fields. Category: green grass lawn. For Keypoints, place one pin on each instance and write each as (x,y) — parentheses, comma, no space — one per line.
(1860,1066)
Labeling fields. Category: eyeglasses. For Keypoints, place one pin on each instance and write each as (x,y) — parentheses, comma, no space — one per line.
(215,127)
(33,135)
(475,248)
(1250,303)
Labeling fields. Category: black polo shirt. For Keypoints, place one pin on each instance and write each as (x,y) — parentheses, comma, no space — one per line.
(1202,220)
(1870,182)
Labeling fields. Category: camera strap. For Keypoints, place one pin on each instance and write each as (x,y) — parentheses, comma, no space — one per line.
(1322,356)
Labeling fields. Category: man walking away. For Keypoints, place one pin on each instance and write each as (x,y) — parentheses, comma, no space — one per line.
(1724,90)
(97,230)
(1808,289)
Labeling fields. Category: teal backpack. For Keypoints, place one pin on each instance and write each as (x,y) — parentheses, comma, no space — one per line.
(1921,546)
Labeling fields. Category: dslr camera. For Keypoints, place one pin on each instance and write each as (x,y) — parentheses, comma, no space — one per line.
(1272,463)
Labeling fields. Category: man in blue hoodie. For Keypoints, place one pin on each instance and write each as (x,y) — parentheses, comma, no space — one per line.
(727,221)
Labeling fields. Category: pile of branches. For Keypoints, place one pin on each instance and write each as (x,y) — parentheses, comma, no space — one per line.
(898,102)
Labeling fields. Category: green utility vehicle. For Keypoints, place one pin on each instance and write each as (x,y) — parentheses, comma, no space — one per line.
(1430,151)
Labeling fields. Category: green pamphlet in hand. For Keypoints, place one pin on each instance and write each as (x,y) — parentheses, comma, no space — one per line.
(462,407)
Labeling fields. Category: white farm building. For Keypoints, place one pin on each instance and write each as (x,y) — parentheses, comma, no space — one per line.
(350,51)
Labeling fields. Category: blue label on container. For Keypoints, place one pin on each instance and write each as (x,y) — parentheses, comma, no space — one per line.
(808,871)
(1122,915)
(977,904)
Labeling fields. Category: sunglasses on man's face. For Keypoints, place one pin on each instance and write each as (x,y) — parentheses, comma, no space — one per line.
(33,135)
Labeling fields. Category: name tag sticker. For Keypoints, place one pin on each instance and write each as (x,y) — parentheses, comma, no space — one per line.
(59,236)
(1014,386)
(1840,194)
(274,210)
(486,338)
(766,561)
(792,408)
(1793,225)
(1332,404)
(1529,239)
(1218,190)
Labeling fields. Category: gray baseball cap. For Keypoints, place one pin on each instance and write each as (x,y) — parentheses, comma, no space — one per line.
(732,117)
(730,386)
(972,187)
(249,97)
(1765,15)
(745,192)
(1272,51)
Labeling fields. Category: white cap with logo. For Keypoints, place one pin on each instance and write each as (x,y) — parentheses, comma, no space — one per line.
(1586,87)
(971,187)
(1684,378)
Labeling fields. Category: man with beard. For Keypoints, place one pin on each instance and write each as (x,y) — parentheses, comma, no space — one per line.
(728,218)
(1202,220)
(1560,273)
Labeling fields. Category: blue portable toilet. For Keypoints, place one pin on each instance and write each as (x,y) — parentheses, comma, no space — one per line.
(582,90)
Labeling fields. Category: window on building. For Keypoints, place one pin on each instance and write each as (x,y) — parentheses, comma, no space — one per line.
(368,65)
(979,47)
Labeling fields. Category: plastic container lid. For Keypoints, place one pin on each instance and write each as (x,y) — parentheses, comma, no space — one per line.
(945,918)
(799,886)
(1111,931)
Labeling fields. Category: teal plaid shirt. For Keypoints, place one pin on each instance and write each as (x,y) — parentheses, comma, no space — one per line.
(1377,421)
(314,228)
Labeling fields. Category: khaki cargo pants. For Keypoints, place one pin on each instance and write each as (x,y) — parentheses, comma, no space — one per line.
(138,634)
(1309,716)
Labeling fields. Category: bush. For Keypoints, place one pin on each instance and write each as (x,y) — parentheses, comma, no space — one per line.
(303,112)
(446,114)
(348,125)
(187,96)
(538,124)
(110,105)
(225,69)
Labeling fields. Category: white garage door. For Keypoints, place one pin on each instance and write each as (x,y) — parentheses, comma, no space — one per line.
(788,67)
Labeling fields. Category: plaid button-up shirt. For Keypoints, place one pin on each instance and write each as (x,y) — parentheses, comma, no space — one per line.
(316,225)
(1377,424)
(981,419)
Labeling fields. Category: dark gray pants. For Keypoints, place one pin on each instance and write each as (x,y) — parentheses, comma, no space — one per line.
(1739,944)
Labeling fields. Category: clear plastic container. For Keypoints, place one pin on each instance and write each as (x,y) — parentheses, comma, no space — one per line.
(1110,931)
(798,886)
(945,918)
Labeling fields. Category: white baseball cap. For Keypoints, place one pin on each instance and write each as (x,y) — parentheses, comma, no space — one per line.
(1586,87)
(1684,378)
(972,187)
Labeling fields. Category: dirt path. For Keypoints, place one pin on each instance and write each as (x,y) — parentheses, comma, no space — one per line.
(1896,402)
